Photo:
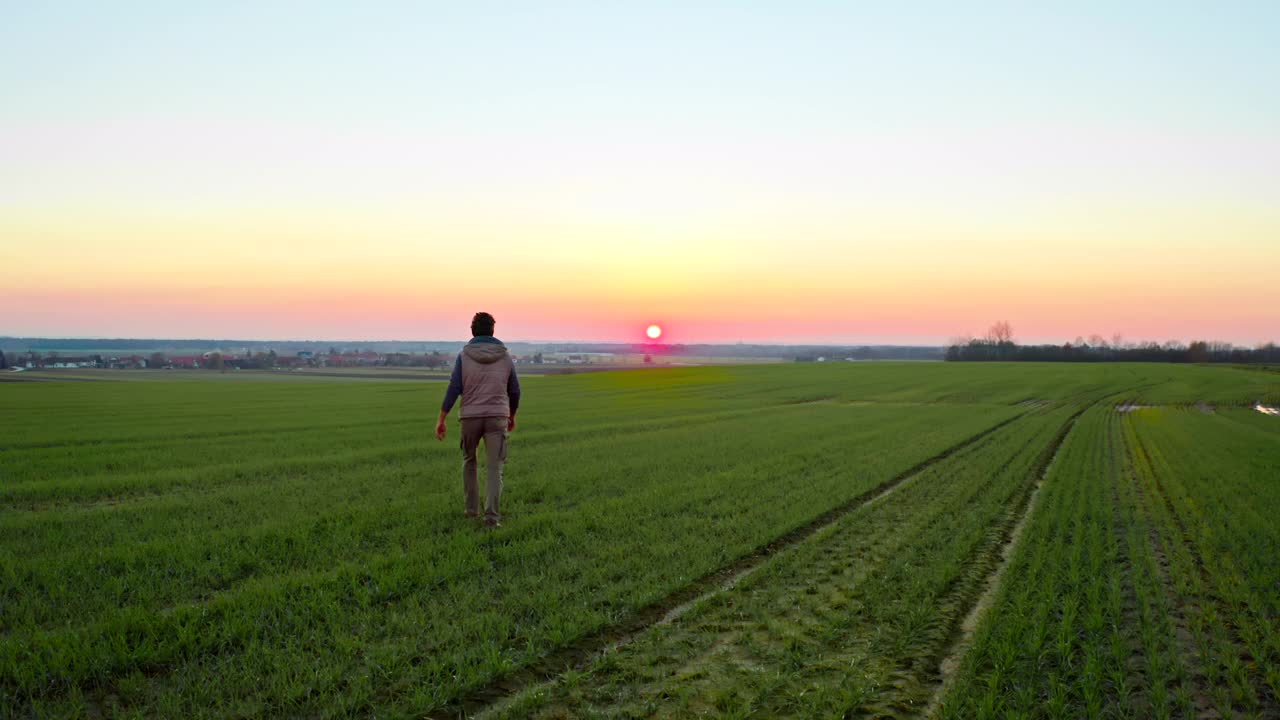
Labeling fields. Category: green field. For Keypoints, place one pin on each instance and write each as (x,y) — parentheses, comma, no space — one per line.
(974,540)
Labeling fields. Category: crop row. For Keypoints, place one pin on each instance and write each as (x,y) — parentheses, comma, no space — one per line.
(1080,622)
(1145,586)
(1212,484)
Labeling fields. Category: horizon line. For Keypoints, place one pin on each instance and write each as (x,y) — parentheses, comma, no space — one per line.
(765,343)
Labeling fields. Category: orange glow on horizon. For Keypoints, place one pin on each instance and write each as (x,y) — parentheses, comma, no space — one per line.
(1146,272)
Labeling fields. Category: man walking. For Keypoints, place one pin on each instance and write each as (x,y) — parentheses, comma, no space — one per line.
(485,376)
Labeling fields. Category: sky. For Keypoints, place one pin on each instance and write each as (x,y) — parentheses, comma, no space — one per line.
(733,171)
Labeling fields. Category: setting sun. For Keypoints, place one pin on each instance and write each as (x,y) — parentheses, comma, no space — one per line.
(654,332)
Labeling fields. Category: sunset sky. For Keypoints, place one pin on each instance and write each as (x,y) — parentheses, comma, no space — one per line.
(733,171)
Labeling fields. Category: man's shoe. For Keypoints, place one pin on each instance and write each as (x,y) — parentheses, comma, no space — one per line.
(492,523)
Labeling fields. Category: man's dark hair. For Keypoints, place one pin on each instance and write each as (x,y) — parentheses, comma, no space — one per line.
(482,324)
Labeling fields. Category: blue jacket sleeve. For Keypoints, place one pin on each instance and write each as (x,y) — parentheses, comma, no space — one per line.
(455,385)
(513,390)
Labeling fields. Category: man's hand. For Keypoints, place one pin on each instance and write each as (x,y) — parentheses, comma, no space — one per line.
(511,423)
(440,428)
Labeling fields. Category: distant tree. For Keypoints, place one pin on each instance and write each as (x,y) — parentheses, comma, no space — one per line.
(648,358)
(214,362)
(157,360)
(1198,351)
(998,342)
(1001,332)
(4,364)
(1221,351)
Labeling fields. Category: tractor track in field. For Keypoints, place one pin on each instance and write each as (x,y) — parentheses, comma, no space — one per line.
(962,635)
(581,653)
(24,377)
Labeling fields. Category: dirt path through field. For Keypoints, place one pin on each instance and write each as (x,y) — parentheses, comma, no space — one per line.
(968,627)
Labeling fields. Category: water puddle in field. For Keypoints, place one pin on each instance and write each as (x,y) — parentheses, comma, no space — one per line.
(1129,407)
(1267,410)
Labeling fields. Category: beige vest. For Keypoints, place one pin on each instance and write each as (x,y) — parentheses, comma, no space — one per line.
(486,368)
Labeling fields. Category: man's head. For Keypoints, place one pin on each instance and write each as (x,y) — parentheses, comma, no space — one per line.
(482,324)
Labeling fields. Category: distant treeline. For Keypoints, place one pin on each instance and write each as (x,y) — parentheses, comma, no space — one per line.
(998,344)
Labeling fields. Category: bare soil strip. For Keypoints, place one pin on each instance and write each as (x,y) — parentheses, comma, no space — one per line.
(963,639)
(581,653)
(811,401)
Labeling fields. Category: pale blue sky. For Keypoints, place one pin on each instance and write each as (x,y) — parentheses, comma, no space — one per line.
(683,85)
(783,67)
